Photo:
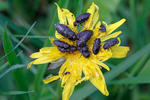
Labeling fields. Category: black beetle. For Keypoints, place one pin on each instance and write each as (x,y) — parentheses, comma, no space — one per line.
(110,43)
(71,49)
(61,44)
(84,51)
(86,54)
(81,18)
(64,47)
(83,37)
(96,45)
(65,31)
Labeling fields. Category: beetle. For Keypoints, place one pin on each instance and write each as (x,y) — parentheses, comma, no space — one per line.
(70,49)
(83,37)
(84,51)
(81,18)
(65,31)
(64,47)
(61,44)
(96,45)
(86,54)
(110,43)
(103,28)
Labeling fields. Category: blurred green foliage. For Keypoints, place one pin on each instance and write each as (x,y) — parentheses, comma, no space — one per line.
(129,78)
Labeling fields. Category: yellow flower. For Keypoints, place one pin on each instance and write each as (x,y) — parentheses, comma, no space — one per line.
(77,68)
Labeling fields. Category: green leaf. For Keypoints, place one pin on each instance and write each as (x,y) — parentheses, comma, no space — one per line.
(14,92)
(12,68)
(138,65)
(120,68)
(10,49)
(145,70)
(12,58)
(133,80)
(18,74)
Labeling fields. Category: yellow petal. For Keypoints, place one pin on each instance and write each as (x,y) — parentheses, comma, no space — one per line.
(58,36)
(29,65)
(51,39)
(93,17)
(97,32)
(76,68)
(42,60)
(62,69)
(119,51)
(104,54)
(47,58)
(66,18)
(110,28)
(101,64)
(50,79)
(61,16)
(62,20)
(114,35)
(70,20)
(68,89)
(36,55)
(119,41)
(49,50)
(64,79)
(99,82)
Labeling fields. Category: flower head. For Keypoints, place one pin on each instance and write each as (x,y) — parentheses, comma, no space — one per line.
(78,67)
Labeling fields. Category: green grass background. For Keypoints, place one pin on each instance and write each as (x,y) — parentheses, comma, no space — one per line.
(25,26)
